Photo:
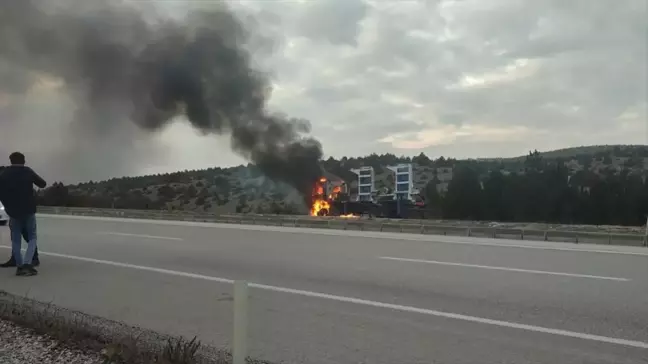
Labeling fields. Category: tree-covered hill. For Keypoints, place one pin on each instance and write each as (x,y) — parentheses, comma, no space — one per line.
(589,184)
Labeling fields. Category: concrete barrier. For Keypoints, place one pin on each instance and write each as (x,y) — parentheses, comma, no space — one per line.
(361,224)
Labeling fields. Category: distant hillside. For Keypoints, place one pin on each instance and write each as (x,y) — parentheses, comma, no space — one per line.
(245,189)
(591,150)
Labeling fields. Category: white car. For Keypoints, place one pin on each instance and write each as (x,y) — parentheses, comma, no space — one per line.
(3,216)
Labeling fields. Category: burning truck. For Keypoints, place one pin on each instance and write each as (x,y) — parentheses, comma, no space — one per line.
(331,197)
(327,193)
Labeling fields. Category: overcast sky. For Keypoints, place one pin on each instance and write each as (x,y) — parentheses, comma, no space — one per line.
(468,78)
(464,78)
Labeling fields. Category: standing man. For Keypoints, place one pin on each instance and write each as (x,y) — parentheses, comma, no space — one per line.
(17,194)
(11,263)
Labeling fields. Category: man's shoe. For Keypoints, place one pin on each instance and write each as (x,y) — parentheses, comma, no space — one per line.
(36,263)
(21,271)
(11,263)
(30,270)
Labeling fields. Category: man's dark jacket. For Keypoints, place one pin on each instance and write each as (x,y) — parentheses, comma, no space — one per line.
(17,190)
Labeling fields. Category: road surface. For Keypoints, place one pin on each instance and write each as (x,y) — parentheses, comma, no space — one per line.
(335,297)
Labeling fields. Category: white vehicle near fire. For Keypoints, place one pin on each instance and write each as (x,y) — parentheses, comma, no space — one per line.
(4,218)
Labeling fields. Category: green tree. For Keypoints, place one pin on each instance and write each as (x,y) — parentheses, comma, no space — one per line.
(242,204)
(422,160)
(431,194)
(56,195)
(166,192)
(534,162)
(191,192)
(497,205)
(464,197)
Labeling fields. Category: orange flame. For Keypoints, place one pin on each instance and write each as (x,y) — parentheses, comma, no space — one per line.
(319,205)
(319,202)
(348,216)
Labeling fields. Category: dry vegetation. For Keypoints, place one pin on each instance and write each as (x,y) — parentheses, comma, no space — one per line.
(600,185)
(113,342)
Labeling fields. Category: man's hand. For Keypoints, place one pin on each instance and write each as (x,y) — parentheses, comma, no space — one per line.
(38,180)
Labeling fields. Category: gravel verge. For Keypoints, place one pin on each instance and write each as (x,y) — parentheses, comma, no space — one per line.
(19,345)
(37,332)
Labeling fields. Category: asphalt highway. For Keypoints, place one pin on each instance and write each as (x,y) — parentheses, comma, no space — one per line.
(336,297)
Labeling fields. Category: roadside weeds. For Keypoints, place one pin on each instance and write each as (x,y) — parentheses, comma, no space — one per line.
(113,342)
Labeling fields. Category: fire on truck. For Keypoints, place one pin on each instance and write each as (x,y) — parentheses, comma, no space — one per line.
(331,197)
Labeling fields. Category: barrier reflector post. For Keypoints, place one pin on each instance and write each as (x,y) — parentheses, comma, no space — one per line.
(240,335)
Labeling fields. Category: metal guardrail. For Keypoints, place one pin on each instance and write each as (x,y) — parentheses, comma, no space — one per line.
(358,224)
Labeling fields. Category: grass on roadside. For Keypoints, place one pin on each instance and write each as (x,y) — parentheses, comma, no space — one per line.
(78,331)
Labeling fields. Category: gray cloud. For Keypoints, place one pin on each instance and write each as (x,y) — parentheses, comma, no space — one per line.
(467,78)
(335,21)
(574,70)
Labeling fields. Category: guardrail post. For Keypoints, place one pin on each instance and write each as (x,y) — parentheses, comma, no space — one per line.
(522,234)
(468,232)
(646,234)
(546,236)
(422,229)
(495,233)
(239,342)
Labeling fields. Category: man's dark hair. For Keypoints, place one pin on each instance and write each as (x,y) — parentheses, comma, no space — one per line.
(17,158)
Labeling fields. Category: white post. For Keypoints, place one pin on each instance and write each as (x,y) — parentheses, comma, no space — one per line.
(239,342)
(646,235)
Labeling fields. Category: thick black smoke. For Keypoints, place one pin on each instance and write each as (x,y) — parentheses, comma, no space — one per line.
(124,64)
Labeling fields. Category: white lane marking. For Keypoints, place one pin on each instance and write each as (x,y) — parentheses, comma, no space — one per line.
(139,235)
(434,239)
(359,301)
(506,269)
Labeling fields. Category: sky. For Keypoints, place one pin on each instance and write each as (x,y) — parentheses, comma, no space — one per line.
(463,78)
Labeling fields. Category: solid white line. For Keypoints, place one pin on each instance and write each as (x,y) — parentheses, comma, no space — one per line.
(358,301)
(507,269)
(434,239)
(139,235)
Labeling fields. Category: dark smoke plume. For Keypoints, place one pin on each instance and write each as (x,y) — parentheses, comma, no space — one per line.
(122,64)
